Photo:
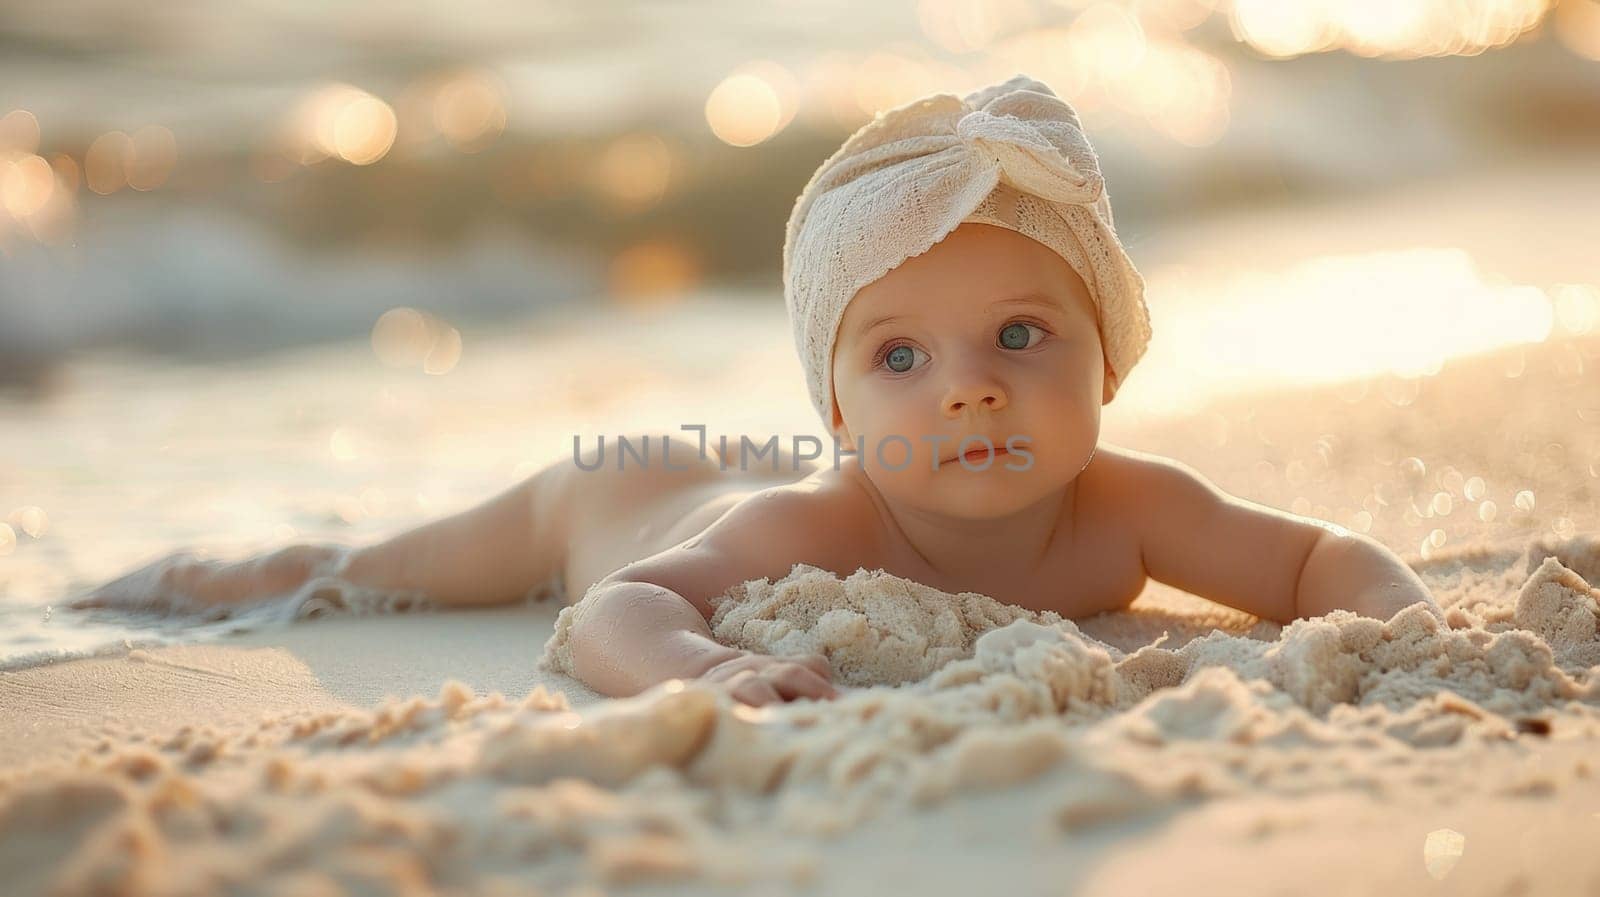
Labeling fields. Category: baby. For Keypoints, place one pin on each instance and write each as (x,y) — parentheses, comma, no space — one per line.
(963,308)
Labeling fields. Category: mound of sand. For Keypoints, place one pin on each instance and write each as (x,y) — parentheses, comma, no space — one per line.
(950,697)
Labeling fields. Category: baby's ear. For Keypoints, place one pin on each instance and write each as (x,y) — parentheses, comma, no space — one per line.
(839,431)
(1108,391)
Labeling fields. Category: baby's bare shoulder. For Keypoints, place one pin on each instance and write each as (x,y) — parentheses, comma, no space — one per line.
(1125,472)
(828,515)
(1122,486)
(821,520)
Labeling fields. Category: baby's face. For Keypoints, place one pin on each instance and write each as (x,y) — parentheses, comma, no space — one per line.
(989,333)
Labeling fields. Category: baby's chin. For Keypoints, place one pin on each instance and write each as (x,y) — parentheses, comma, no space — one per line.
(972,494)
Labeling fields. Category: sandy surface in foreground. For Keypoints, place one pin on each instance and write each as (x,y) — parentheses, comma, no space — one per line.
(977,749)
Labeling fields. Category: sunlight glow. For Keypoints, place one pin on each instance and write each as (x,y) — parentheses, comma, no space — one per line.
(1110,39)
(1400,313)
(1181,92)
(1577,307)
(887,79)
(1279,28)
(1174,15)
(1388,28)
(1049,54)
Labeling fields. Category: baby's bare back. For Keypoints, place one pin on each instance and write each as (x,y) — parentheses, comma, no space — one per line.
(618,516)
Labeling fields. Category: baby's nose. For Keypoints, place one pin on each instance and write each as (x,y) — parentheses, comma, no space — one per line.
(971,386)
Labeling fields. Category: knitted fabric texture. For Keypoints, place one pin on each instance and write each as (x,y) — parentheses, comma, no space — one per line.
(1013,155)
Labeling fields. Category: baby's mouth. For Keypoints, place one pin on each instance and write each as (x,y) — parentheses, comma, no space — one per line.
(977,455)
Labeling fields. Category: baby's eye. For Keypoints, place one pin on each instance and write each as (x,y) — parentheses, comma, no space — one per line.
(899,358)
(1015,335)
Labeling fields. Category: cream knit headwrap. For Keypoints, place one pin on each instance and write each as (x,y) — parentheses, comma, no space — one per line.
(1012,155)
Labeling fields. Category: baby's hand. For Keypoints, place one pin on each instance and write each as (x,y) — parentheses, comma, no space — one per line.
(184,582)
(758,679)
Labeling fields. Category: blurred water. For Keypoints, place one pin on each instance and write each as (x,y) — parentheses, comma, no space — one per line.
(196,282)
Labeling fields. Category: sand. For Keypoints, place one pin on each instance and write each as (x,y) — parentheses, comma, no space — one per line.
(975,747)
(1046,730)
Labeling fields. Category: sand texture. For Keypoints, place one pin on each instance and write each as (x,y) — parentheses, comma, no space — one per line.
(951,701)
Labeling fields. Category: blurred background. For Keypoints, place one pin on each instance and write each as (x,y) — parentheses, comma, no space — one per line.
(292,270)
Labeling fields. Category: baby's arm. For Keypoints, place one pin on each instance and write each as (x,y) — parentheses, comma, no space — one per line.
(487,554)
(1266,562)
(648,621)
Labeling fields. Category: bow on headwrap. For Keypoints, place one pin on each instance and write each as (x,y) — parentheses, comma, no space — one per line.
(914,173)
(1027,158)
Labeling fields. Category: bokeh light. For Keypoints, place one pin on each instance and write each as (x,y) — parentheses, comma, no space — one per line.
(1400,29)
(19,132)
(406,337)
(469,110)
(653,271)
(1282,29)
(344,122)
(68,173)
(885,79)
(634,170)
(106,163)
(966,26)
(364,130)
(1174,15)
(36,192)
(152,153)
(1577,307)
(30,520)
(445,353)
(752,104)
(465,109)
(1110,39)
(26,183)
(1049,54)
(1578,26)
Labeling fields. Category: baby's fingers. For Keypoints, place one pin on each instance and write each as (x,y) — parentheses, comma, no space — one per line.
(818,663)
(796,681)
(753,690)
